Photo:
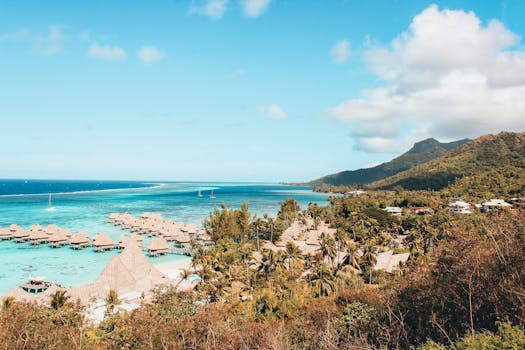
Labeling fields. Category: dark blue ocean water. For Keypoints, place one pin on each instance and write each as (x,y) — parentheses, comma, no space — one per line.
(18,186)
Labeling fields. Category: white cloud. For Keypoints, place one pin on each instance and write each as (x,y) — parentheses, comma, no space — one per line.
(254,8)
(48,43)
(106,52)
(448,76)
(273,111)
(150,54)
(214,9)
(341,51)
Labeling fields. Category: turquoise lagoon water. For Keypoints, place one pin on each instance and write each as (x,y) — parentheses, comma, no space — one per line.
(88,207)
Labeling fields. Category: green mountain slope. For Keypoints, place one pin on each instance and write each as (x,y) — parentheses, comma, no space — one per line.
(420,153)
(482,155)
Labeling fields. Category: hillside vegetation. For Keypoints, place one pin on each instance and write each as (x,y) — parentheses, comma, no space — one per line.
(420,153)
(483,159)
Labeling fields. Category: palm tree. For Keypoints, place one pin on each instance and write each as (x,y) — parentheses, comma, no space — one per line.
(7,303)
(327,247)
(322,280)
(59,299)
(353,256)
(268,263)
(369,259)
(292,253)
(184,275)
(112,299)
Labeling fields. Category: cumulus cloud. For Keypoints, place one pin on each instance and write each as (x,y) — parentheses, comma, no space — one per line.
(273,111)
(106,52)
(341,51)
(254,8)
(447,76)
(47,43)
(150,54)
(214,9)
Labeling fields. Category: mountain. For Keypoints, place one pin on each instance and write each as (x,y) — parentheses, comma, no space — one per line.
(420,153)
(486,157)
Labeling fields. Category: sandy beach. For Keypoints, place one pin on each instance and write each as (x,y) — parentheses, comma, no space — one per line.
(173,269)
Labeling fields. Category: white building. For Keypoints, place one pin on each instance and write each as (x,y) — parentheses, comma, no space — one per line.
(495,203)
(459,206)
(396,211)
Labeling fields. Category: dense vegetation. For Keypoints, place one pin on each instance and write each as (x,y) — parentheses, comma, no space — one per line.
(504,152)
(422,152)
(462,287)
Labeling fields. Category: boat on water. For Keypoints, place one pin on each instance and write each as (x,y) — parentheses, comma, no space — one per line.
(49,206)
(199,194)
(212,196)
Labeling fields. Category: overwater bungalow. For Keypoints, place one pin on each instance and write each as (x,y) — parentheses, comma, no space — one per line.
(79,240)
(158,246)
(102,242)
(5,233)
(20,235)
(58,239)
(38,236)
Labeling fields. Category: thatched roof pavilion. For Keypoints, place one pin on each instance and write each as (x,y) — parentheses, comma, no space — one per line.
(38,236)
(102,242)
(20,234)
(5,233)
(128,272)
(58,239)
(158,246)
(79,240)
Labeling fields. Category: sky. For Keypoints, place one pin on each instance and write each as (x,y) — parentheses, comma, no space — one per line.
(249,90)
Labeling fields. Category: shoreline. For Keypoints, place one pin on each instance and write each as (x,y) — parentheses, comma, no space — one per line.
(172,269)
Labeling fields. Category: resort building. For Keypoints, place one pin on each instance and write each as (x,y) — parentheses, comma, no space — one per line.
(389,262)
(356,193)
(37,236)
(395,211)
(518,202)
(102,242)
(129,272)
(495,204)
(79,240)
(5,233)
(459,206)
(20,235)
(58,239)
(158,246)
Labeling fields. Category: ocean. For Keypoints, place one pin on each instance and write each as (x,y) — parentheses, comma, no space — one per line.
(85,205)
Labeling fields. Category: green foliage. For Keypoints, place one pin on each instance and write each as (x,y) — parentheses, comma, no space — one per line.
(507,337)
(483,155)
(422,152)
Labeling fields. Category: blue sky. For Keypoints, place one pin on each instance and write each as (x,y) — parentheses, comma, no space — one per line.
(253,90)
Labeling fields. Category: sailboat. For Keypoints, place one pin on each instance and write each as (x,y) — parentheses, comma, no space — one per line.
(49,207)
(199,194)
(212,195)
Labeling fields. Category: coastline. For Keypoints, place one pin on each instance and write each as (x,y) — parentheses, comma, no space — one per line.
(172,269)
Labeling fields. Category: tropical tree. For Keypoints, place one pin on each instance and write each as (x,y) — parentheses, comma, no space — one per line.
(7,303)
(327,247)
(369,259)
(59,299)
(184,275)
(353,256)
(292,254)
(321,280)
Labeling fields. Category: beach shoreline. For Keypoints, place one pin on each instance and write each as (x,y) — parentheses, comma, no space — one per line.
(172,269)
